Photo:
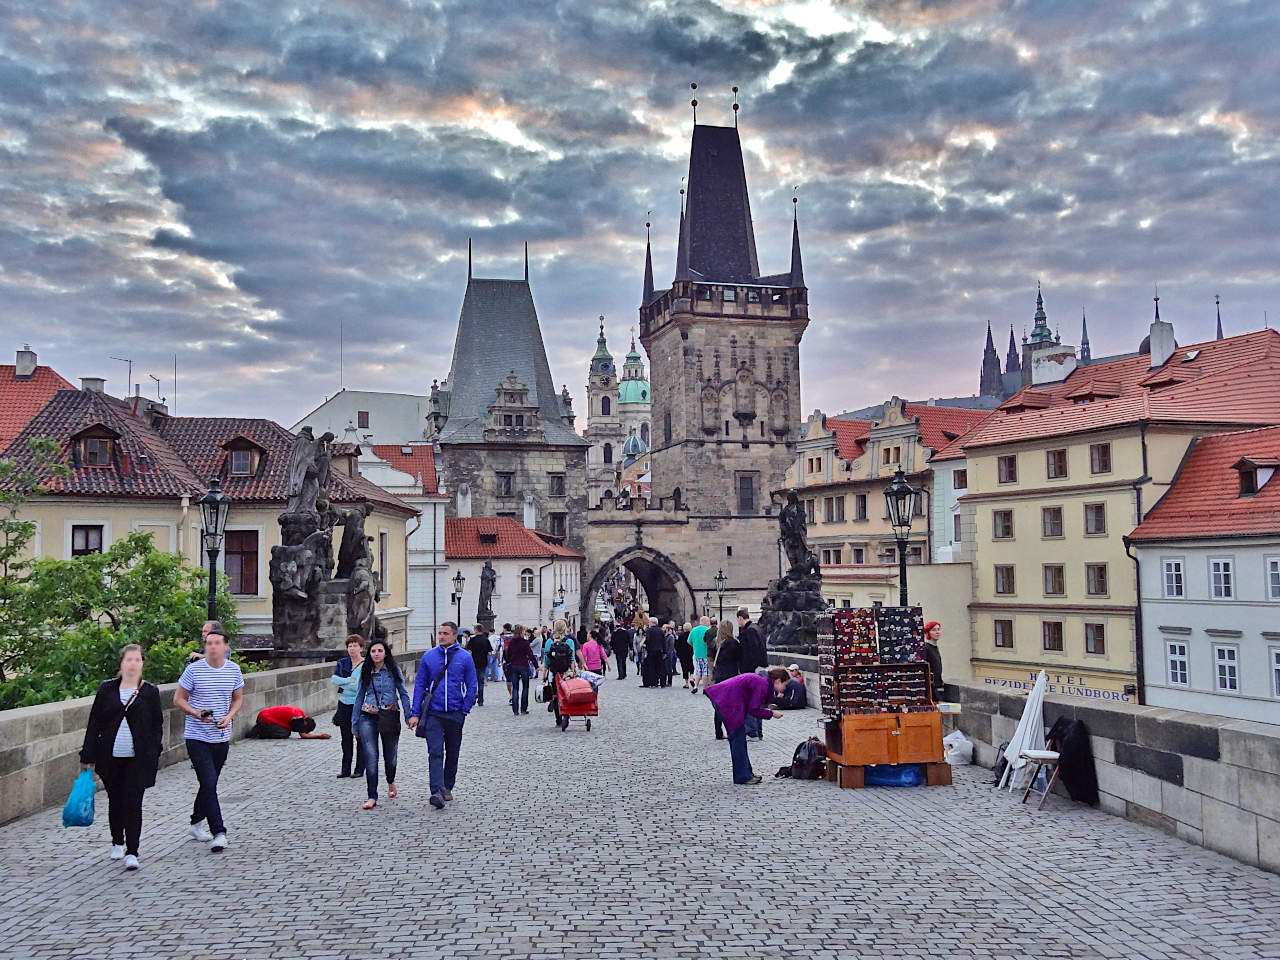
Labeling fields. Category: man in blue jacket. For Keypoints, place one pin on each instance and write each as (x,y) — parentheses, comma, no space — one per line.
(443,694)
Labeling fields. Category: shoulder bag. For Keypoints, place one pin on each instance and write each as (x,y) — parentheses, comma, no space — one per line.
(421,729)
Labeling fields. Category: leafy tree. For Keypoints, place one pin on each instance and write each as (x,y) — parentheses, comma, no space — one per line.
(88,607)
(20,483)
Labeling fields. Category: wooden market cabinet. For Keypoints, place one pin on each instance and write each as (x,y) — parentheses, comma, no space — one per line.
(865,739)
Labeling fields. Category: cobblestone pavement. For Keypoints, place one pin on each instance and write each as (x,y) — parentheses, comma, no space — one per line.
(625,841)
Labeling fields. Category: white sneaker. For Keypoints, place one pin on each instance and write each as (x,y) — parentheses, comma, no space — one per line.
(200,832)
(131,862)
(117,851)
(218,844)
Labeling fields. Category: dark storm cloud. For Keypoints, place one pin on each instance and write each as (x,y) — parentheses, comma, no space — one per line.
(232,182)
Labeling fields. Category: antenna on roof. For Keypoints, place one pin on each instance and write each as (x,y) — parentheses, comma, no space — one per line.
(694,103)
(468,258)
(130,363)
(526,261)
(341,345)
(175,383)
(735,108)
(157,380)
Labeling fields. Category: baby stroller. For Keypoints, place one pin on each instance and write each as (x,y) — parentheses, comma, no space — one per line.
(575,699)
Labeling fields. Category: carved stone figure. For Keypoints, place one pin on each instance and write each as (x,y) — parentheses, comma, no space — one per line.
(362,600)
(305,471)
(354,545)
(488,580)
(795,541)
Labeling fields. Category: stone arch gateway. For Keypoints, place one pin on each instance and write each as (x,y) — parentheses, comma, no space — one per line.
(670,594)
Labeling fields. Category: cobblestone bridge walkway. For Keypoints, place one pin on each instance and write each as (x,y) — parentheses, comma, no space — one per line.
(626,841)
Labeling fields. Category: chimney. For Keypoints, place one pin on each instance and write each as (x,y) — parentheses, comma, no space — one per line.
(1162,342)
(93,384)
(25,365)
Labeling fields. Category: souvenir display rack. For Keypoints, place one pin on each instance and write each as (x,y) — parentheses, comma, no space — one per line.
(874,684)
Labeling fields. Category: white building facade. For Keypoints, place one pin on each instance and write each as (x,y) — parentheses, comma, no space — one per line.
(377,417)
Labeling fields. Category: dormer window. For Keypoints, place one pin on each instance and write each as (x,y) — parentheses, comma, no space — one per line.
(1248,483)
(96,452)
(1255,472)
(488,539)
(241,463)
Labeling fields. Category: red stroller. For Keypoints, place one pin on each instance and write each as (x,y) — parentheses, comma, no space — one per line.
(576,699)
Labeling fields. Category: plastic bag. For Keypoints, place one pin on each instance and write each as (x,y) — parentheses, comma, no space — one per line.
(894,775)
(78,811)
(959,749)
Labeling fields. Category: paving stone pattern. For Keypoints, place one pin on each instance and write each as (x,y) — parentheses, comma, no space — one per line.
(626,841)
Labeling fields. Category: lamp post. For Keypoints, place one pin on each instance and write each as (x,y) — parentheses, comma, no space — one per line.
(458,581)
(900,499)
(214,506)
(721,580)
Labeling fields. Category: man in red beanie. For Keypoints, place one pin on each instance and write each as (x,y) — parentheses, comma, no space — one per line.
(933,656)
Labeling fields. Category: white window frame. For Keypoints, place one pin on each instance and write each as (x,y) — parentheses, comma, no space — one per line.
(1177,651)
(1232,663)
(1181,574)
(1271,576)
(1274,654)
(529,587)
(264,559)
(1229,579)
(248,463)
(85,521)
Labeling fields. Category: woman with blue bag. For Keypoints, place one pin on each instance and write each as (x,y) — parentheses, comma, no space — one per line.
(123,739)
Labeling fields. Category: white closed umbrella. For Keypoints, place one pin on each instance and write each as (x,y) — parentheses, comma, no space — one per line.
(1028,736)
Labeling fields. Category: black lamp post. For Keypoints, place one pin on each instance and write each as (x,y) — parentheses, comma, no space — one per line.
(901,498)
(458,581)
(721,580)
(560,596)
(214,506)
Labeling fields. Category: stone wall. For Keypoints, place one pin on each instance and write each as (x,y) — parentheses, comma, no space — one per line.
(40,745)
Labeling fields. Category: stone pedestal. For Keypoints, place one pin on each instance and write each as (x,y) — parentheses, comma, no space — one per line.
(789,613)
(331,631)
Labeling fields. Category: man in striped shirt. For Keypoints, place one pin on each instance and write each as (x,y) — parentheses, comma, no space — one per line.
(210,692)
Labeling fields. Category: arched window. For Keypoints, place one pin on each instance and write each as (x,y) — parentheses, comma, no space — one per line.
(666,427)
(608,453)
(644,433)
(604,406)
(526,580)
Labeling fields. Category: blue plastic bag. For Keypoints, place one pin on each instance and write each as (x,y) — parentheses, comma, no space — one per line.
(78,811)
(894,775)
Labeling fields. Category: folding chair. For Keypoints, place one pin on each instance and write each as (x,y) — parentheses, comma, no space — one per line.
(1041,758)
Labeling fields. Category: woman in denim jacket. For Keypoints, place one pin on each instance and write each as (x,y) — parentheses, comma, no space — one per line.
(377,716)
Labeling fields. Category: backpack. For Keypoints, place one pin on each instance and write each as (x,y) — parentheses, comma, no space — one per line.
(809,762)
(559,657)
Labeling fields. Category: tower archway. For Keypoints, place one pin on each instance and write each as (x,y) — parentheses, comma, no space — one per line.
(670,595)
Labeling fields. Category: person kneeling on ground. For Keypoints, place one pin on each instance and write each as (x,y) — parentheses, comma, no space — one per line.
(740,697)
(279,723)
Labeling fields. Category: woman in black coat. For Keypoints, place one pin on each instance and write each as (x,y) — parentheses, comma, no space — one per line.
(123,739)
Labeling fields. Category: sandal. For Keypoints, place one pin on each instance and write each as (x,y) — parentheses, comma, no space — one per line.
(391,791)
(369,804)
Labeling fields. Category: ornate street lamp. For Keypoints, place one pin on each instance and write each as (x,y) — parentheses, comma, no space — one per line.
(214,506)
(900,500)
(560,596)
(721,580)
(458,581)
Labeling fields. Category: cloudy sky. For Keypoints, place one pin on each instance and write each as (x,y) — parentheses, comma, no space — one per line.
(230,181)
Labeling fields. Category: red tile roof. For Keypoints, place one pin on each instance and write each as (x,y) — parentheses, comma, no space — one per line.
(1230,381)
(462,540)
(163,456)
(420,462)
(939,426)
(20,400)
(1205,500)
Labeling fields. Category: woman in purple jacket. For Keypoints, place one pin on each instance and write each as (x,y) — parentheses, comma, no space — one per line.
(734,699)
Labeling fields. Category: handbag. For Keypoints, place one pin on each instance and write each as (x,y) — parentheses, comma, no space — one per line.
(421,728)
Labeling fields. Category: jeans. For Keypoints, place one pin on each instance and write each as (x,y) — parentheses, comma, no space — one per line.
(369,737)
(738,752)
(208,759)
(621,657)
(124,798)
(444,739)
(755,727)
(350,746)
(480,689)
(518,677)
(491,671)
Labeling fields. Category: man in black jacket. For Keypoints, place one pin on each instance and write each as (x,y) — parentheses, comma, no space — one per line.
(620,642)
(479,647)
(754,656)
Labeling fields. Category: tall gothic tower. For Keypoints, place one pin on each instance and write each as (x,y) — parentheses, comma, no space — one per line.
(723,345)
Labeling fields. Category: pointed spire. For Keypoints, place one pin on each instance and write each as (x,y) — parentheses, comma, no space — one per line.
(1012,361)
(797,265)
(468,258)
(526,261)
(1086,354)
(648,268)
(1040,332)
(682,251)
(1156,298)
(991,344)
(990,383)
(1217,303)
